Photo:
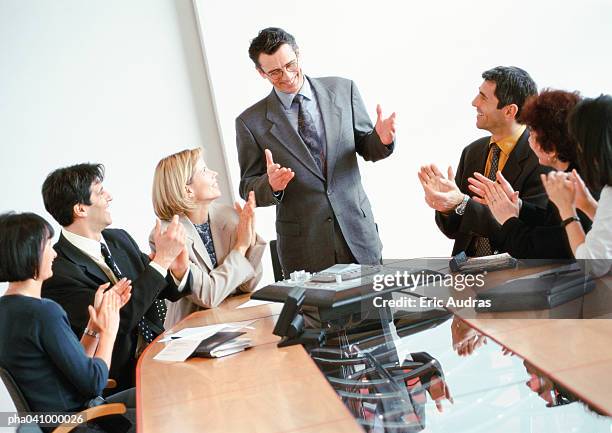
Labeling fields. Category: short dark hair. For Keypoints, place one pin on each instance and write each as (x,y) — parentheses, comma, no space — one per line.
(22,241)
(68,186)
(547,115)
(590,124)
(268,41)
(512,85)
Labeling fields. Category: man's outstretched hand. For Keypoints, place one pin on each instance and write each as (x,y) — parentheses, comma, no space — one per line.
(278,176)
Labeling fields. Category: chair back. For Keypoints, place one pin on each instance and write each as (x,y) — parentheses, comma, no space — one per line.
(11,391)
(12,400)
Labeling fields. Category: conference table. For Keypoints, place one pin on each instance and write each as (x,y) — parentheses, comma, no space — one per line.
(271,389)
(570,343)
(263,389)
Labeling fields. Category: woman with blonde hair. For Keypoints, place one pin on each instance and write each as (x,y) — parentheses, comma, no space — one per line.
(224,250)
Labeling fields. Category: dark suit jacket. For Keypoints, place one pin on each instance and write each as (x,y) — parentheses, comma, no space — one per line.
(304,217)
(76,278)
(522,170)
(536,234)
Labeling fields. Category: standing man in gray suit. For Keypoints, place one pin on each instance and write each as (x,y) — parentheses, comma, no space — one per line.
(297,150)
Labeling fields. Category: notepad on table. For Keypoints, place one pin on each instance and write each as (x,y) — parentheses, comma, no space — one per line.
(221,344)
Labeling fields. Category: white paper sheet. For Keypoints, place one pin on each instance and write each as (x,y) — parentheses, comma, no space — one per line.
(202,332)
(253,303)
(177,350)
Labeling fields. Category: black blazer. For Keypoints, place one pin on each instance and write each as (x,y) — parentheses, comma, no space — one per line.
(522,170)
(76,278)
(537,234)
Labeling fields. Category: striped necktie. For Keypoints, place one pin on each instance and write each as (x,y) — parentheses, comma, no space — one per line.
(483,245)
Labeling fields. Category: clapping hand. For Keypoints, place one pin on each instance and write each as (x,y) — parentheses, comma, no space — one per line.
(465,338)
(476,185)
(582,196)
(123,288)
(278,176)
(105,318)
(385,128)
(245,230)
(499,196)
(170,243)
(561,191)
(441,194)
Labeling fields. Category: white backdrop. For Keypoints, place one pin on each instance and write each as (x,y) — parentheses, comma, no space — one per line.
(125,83)
(421,59)
(117,82)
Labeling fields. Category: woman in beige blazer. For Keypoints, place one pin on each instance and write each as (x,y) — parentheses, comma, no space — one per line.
(224,250)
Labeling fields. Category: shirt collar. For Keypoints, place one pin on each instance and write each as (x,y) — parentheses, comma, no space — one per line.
(508,143)
(89,246)
(286,99)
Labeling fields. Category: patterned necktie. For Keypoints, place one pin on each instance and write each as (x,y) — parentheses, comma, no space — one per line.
(152,323)
(483,245)
(308,132)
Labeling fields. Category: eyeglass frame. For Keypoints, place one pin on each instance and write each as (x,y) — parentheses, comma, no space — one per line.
(282,70)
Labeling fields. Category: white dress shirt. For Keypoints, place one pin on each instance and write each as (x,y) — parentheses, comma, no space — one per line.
(597,246)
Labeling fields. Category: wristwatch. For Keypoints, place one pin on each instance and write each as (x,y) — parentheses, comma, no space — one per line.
(569,220)
(91,333)
(460,209)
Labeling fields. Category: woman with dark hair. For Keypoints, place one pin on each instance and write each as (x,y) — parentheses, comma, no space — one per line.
(54,371)
(528,231)
(590,124)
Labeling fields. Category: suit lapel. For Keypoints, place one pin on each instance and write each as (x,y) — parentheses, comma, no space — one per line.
(196,241)
(331,114)
(80,259)
(221,240)
(282,130)
(513,166)
(476,164)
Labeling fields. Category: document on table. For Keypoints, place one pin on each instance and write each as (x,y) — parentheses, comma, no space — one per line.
(182,343)
(201,332)
(253,303)
(178,350)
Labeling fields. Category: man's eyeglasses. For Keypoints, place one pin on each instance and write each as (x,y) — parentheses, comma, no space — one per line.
(277,74)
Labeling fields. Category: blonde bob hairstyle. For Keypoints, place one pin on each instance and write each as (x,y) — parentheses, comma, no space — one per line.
(172,174)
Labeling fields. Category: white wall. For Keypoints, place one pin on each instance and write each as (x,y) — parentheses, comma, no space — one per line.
(117,82)
(421,59)
(124,83)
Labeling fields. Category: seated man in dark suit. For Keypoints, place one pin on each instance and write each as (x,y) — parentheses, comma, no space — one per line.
(498,105)
(90,255)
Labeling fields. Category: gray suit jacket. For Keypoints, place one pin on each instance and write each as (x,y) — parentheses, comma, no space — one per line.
(234,272)
(304,217)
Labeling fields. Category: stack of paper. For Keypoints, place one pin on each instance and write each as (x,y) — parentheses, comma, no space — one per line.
(234,346)
(182,344)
